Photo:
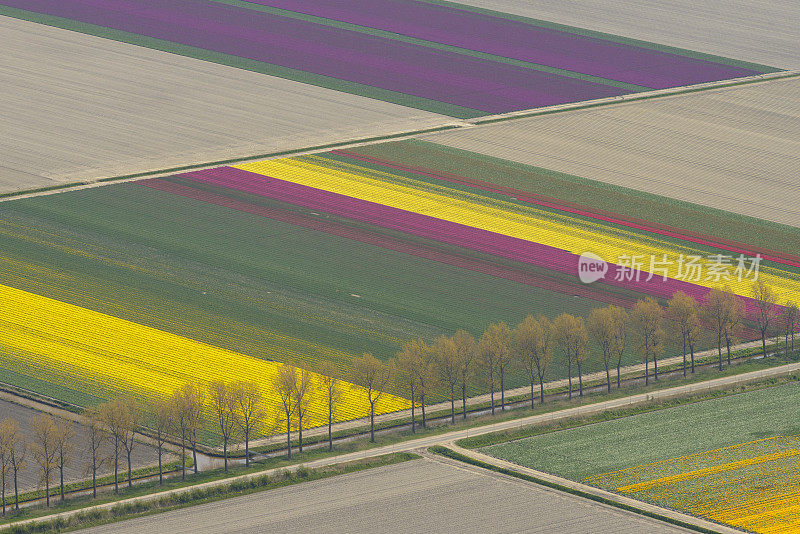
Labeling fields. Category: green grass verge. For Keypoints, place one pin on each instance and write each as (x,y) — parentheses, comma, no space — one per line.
(449,453)
(234,488)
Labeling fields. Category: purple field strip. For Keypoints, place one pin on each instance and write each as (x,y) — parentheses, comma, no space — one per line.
(432,228)
(517,40)
(420,71)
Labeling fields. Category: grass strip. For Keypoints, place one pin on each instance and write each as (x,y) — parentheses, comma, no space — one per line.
(328,82)
(234,488)
(449,453)
(609,37)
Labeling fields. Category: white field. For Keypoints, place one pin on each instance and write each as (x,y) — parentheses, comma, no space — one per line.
(735,148)
(760,31)
(76,107)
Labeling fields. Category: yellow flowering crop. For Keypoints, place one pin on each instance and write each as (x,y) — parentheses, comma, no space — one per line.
(753,485)
(101,356)
(524,222)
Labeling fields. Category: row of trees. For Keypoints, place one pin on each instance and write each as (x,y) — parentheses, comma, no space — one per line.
(453,364)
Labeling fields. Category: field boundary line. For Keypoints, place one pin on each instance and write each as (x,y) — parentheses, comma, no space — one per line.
(628,503)
(451,124)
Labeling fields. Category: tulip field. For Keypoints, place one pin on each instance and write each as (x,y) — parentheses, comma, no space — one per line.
(733,459)
(441,58)
(86,357)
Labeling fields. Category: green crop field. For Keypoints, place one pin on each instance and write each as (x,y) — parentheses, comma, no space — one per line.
(247,283)
(640,439)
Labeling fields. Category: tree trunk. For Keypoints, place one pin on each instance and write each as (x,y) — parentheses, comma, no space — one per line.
(130,483)
(288,436)
(452,404)
(299,433)
(225,452)
(330,426)
(764,341)
(491,387)
(580,380)
(533,395)
(247,445)
(160,469)
(94,475)
(728,346)
(691,351)
(684,355)
(646,371)
(183,455)
(4,493)
(422,404)
(502,388)
(619,364)
(719,350)
(194,455)
(464,398)
(47,488)
(116,465)
(16,490)
(541,391)
(61,477)
(655,366)
(569,374)
(371,420)
(413,414)
(608,378)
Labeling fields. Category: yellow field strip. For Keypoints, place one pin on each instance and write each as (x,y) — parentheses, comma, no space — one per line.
(94,353)
(523,222)
(642,486)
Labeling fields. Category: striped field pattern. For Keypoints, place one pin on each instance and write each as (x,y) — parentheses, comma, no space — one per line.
(753,485)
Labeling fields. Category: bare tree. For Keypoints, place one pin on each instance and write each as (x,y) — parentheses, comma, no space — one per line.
(426,379)
(791,315)
(765,301)
(250,413)
(17,447)
(601,328)
(128,413)
(646,320)
(163,425)
(407,361)
(189,402)
(284,385)
(44,449)
(7,432)
(682,314)
(620,320)
(373,375)
(302,397)
(332,389)
(446,357)
(715,314)
(222,402)
(467,351)
(528,337)
(569,334)
(496,344)
(64,449)
(96,436)
(734,322)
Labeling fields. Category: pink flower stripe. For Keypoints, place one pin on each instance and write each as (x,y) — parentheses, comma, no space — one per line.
(437,229)
(541,200)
